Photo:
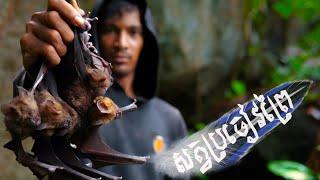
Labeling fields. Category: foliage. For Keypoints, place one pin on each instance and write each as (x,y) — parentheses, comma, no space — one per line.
(306,10)
(291,170)
(303,62)
(237,89)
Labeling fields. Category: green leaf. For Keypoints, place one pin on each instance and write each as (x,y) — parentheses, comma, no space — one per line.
(290,170)
(200,126)
(283,8)
(238,87)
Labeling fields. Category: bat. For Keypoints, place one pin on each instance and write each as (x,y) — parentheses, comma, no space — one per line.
(53,114)
(21,114)
(64,114)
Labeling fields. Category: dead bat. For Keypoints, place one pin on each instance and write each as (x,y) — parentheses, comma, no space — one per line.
(85,68)
(104,110)
(79,89)
(74,118)
(72,108)
(55,114)
(21,114)
(22,117)
(79,95)
(89,76)
(98,80)
(82,75)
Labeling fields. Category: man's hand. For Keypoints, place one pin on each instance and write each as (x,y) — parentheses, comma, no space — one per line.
(48,33)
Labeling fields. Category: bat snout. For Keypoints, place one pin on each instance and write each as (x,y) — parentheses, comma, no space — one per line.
(36,120)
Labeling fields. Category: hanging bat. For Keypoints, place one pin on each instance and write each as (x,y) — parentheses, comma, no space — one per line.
(87,73)
(55,114)
(227,140)
(64,102)
(22,118)
(98,80)
(104,110)
(82,77)
(21,114)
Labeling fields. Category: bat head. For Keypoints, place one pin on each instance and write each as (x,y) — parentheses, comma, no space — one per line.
(98,78)
(22,110)
(51,109)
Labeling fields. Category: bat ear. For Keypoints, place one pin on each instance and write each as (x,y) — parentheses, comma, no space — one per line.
(102,108)
(8,110)
(22,91)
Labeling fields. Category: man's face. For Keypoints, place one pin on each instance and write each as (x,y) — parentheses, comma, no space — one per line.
(121,42)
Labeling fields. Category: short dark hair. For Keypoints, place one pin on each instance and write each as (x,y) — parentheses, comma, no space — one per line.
(115,8)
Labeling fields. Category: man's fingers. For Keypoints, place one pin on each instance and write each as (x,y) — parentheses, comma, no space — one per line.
(32,48)
(48,32)
(53,20)
(67,11)
(48,35)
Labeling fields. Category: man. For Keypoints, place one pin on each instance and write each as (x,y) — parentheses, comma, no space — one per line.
(124,36)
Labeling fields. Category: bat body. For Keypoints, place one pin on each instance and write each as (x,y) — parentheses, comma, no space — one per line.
(53,114)
(98,80)
(71,106)
(21,114)
(103,111)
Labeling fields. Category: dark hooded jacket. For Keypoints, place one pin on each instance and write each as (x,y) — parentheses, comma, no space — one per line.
(134,133)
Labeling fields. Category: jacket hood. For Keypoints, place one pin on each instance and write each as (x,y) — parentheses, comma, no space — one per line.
(146,75)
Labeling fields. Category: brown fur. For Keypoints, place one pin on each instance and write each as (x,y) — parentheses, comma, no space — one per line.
(53,114)
(98,80)
(98,116)
(21,114)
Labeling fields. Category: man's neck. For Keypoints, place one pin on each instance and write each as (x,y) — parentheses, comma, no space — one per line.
(126,82)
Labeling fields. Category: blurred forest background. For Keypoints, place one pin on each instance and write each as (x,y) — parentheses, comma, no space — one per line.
(214,54)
